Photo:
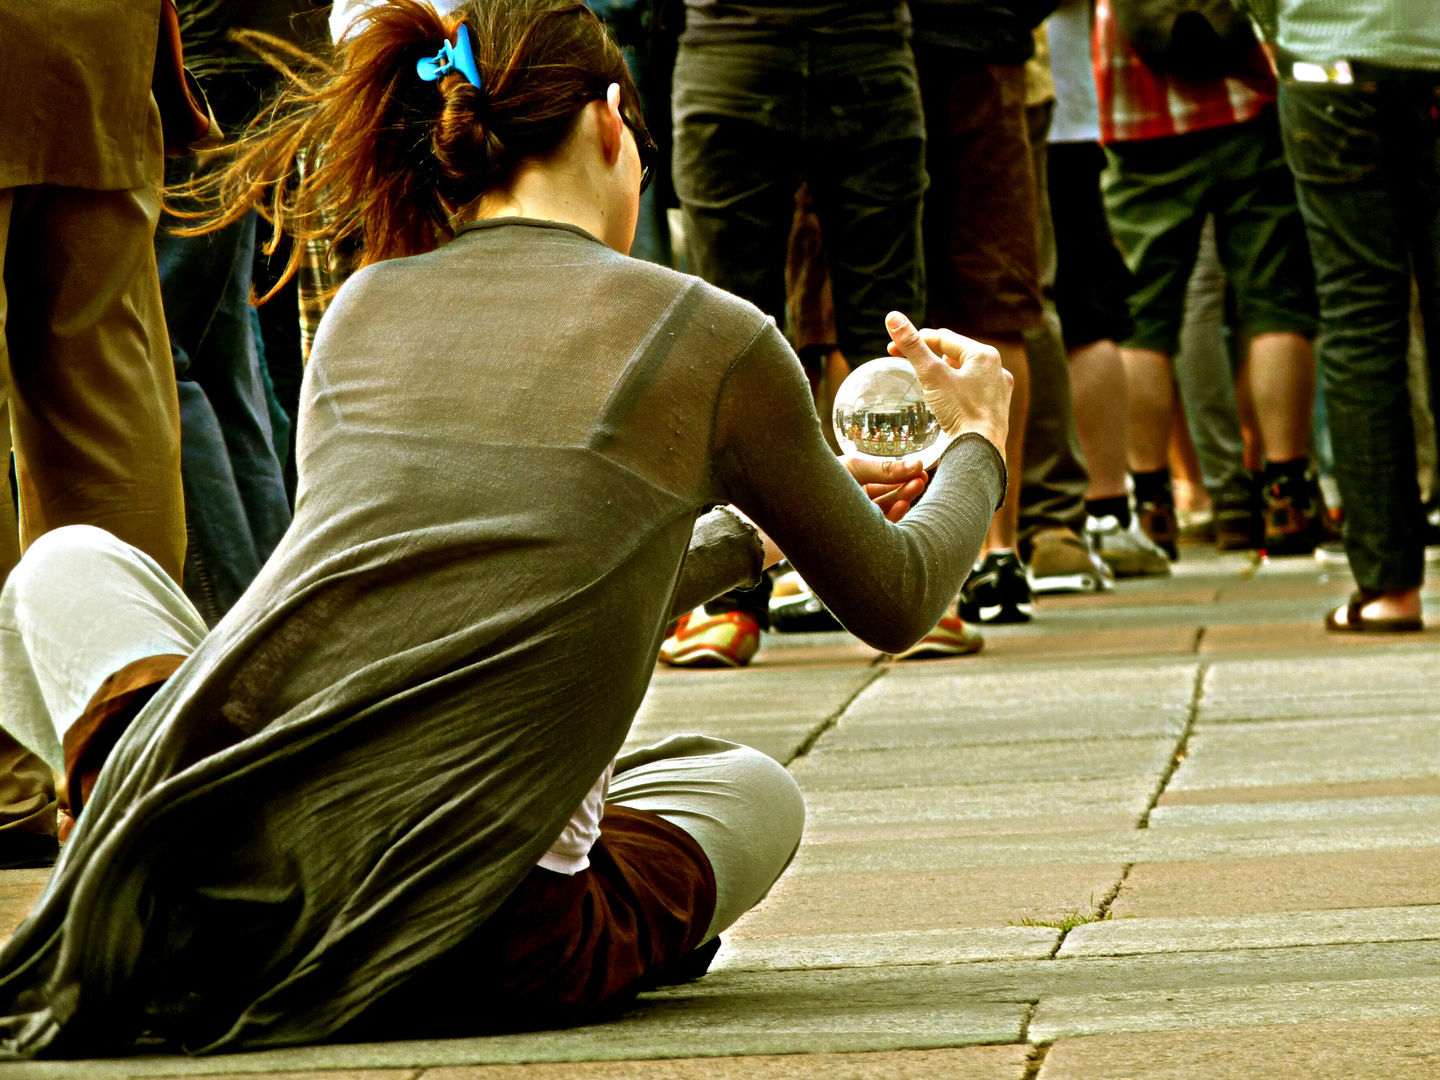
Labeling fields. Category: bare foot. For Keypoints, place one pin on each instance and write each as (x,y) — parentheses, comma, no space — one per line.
(1401,604)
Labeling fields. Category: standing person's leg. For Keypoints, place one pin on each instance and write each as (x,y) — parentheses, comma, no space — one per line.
(1354,154)
(27,786)
(735,176)
(1055,479)
(982,265)
(1208,391)
(735,172)
(864,164)
(235,501)
(1260,238)
(1155,196)
(1092,285)
(93,407)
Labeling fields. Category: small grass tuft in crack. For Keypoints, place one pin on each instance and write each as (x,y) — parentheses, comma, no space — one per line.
(1068,920)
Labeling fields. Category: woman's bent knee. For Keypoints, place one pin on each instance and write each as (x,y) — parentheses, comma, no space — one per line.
(742,807)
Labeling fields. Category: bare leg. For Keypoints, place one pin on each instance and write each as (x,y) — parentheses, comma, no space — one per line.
(1281,373)
(1004,526)
(1254,455)
(1190,493)
(1097,381)
(1151,395)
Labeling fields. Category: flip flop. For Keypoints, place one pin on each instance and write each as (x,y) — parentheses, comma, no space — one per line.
(1356,623)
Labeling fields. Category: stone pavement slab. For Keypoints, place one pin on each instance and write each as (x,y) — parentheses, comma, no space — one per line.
(1374,810)
(1381,1050)
(827,769)
(1134,937)
(856,903)
(1232,1006)
(745,952)
(774,711)
(919,706)
(1053,806)
(1382,681)
(1397,877)
(970,1063)
(1327,750)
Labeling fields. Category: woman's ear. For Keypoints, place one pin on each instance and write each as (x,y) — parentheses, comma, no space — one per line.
(612,125)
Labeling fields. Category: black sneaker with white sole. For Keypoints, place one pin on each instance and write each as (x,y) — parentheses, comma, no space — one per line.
(996,591)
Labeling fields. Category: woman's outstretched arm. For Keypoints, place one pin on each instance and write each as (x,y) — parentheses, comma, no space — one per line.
(887,583)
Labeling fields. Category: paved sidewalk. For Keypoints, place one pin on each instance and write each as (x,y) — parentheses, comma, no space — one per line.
(1172,832)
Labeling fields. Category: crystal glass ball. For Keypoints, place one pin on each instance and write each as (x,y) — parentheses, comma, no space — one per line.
(880,413)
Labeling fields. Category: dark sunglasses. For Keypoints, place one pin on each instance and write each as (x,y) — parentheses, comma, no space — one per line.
(649,152)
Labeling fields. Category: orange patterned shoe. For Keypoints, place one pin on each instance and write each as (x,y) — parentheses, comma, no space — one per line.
(729,639)
(951,637)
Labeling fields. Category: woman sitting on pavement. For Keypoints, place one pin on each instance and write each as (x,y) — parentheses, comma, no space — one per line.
(369,803)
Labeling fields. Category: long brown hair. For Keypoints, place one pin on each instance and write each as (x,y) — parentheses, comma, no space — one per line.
(364,156)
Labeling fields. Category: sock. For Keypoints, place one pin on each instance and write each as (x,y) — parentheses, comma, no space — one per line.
(1284,474)
(1153,486)
(1117,506)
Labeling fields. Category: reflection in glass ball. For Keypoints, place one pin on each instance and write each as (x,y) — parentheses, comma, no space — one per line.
(880,412)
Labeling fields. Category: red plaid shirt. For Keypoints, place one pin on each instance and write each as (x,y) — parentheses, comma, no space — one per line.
(1137,102)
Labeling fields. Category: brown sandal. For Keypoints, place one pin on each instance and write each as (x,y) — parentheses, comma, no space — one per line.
(1356,623)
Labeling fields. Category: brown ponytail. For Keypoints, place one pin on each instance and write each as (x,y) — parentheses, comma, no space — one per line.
(368,158)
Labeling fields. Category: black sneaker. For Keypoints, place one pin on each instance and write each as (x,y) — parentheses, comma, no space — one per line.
(996,591)
(1293,525)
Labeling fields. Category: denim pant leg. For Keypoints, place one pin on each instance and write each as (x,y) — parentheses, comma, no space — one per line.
(1360,186)
(235,504)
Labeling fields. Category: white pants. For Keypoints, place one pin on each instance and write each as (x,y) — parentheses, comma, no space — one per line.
(82,604)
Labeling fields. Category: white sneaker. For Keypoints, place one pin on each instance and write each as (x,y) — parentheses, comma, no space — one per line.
(1129,552)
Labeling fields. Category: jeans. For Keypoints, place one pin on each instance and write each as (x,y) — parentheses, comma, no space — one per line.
(235,504)
(751,120)
(1366,159)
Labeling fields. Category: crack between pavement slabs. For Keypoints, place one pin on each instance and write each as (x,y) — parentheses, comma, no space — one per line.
(1101,911)
(1035,1059)
(834,718)
(1182,745)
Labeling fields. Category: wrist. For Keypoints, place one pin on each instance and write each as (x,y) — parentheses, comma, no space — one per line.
(986,432)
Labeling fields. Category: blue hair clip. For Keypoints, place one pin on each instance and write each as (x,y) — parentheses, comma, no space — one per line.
(458,57)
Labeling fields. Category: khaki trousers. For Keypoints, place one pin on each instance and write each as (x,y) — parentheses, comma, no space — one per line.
(87,391)
(87,370)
